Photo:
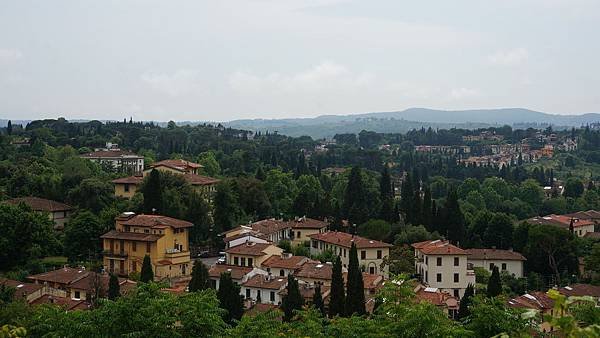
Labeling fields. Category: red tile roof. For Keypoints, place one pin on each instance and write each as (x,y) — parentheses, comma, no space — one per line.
(245,234)
(536,300)
(194,179)
(261,308)
(495,254)
(64,302)
(592,235)
(345,239)
(266,282)
(562,221)
(249,249)
(269,226)
(181,165)
(580,290)
(129,180)
(314,270)
(154,221)
(308,223)
(237,272)
(435,297)
(292,262)
(40,204)
(370,281)
(587,215)
(438,247)
(64,275)
(22,290)
(131,236)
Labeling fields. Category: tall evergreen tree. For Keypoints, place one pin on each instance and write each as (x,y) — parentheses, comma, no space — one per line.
(230,298)
(355,204)
(417,208)
(454,220)
(406,199)
(293,300)
(465,302)
(318,300)
(9,127)
(225,208)
(260,174)
(200,278)
(385,183)
(494,287)
(114,290)
(426,208)
(336,296)
(355,294)
(152,192)
(146,275)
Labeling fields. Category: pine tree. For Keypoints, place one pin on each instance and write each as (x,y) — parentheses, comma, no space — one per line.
(454,220)
(230,298)
(385,183)
(355,296)
(293,300)
(406,198)
(9,127)
(336,296)
(426,216)
(200,278)
(494,287)
(146,275)
(465,302)
(355,204)
(318,300)
(260,174)
(152,192)
(114,290)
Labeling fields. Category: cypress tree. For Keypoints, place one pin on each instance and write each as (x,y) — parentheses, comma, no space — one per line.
(454,220)
(355,294)
(336,297)
(417,210)
(465,302)
(114,290)
(225,207)
(9,127)
(200,278)
(146,275)
(494,287)
(385,183)
(318,300)
(355,203)
(230,298)
(406,199)
(426,216)
(152,192)
(293,300)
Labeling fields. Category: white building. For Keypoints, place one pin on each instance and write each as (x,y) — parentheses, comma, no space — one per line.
(444,266)
(118,160)
(264,289)
(506,260)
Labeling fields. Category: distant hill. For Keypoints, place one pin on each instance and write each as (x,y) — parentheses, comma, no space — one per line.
(402,121)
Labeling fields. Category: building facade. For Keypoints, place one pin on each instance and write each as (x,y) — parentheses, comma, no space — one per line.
(59,213)
(118,160)
(506,260)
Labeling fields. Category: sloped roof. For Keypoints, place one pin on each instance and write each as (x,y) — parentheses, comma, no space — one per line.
(194,179)
(64,302)
(266,282)
(181,165)
(111,154)
(292,262)
(315,270)
(21,289)
(307,223)
(64,275)
(562,221)
(587,215)
(438,247)
(249,249)
(592,235)
(435,297)
(345,239)
(40,204)
(129,180)
(131,236)
(156,220)
(495,254)
(269,226)
(237,272)
(580,290)
(536,300)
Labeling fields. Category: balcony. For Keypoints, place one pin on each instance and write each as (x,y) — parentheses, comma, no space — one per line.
(115,254)
(176,253)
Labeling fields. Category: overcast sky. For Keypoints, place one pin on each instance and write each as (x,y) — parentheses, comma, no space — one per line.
(220,60)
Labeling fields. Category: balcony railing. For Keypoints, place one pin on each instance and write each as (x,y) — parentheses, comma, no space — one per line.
(110,253)
(173,253)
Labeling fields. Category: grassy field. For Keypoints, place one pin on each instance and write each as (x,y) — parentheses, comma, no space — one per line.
(581,169)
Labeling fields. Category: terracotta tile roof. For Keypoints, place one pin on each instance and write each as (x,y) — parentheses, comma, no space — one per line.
(181,165)
(587,215)
(40,204)
(370,281)
(249,249)
(435,297)
(64,275)
(345,239)
(580,290)
(245,234)
(292,262)
(237,272)
(592,235)
(112,154)
(129,180)
(439,247)
(156,221)
(194,179)
(87,282)
(269,226)
(562,221)
(64,302)
(536,300)
(266,282)
(22,290)
(498,254)
(308,223)
(314,270)
(131,236)
(308,291)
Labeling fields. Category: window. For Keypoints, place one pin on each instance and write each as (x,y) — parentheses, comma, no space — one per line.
(148,247)
(456,261)
(243,261)
(77,295)
(503,266)
(426,260)
(491,266)
(344,252)
(439,277)
(247,293)
(456,278)
(258,294)
(250,261)
(133,246)
(439,261)
(235,261)
(426,276)
(363,254)
(146,231)
(456,293)
(315,244)
(372,270)
(272,296)
(281,272)
(126,187)
(298,234)
(378,254)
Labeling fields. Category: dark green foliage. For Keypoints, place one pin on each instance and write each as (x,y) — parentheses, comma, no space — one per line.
(260,174)
(114,290)
(355,296)
(454,220)
(293,300)
(225,208)
(152,191)
(355,206)
(337,296)
(147,274)
(375,229)
(494,287)
(465,302)
(9,127)
(8,292)
(82,237)
(573,187)
(230,298)
(198,213)
(317,300)
(200,278)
